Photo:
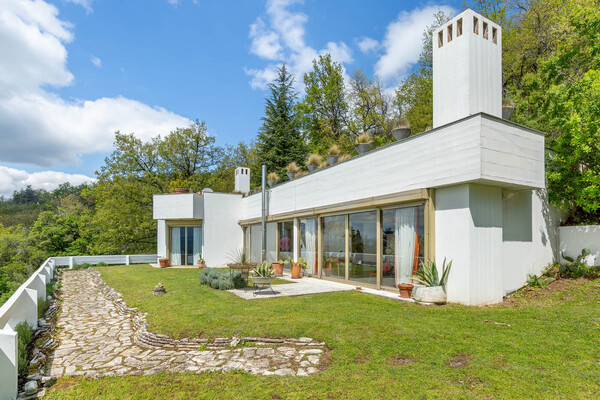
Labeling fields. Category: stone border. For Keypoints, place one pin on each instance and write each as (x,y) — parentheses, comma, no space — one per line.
(146,339)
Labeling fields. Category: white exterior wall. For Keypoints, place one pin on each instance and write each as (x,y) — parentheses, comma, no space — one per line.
(222,235)
(161,239)
(178,206)
(475,149)
(468,229)
(467,71)
(575,238)
(530,227)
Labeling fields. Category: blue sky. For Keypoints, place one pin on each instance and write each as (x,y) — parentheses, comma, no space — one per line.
(77,70)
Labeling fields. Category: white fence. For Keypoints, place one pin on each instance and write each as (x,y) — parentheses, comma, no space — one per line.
(22,306)
(575,238)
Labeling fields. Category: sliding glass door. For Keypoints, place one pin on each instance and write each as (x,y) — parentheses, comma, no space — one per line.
(334,246)
(186,245)
(363,247)
(308,244)
(403,244)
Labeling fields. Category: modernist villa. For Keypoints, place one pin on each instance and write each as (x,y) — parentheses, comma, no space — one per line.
(470,190)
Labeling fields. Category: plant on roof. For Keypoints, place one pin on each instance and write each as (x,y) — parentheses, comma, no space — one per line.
(273,176)
(344,157)
(428,273)
(364,138)
(301,174)
(324,164)
(292,167)
(334,150)
(314,159)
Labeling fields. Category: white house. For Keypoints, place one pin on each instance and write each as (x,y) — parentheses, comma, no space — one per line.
(471,190)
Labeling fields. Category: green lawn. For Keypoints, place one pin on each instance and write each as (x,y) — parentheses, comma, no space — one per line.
(550,350)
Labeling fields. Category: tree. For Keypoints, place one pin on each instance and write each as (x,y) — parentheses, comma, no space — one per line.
(279,140)
(369,107)
(565,93)
(325,107)
(414,96)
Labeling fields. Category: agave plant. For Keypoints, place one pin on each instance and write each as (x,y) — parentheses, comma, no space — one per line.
(264,270)
(428,273)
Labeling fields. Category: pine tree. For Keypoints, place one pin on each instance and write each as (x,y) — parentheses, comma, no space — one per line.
(279,139)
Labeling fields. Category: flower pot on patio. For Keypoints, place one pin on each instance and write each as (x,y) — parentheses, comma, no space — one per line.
(201,264)
(296,271)
(277,268)
(430,294)
(405,290)
(163,262)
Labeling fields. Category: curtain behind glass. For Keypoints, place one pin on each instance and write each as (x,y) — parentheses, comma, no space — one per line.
(405,243)
(176,246)
(197,243)
(310,237)
(271,241)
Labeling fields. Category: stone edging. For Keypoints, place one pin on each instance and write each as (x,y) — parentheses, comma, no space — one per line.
(144,338)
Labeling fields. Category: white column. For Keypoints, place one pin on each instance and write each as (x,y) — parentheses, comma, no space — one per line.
(127,260)
(70,262)
(8,363)
(296,239)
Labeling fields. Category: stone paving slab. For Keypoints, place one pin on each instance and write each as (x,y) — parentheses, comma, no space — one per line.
(300,287)
(100,336)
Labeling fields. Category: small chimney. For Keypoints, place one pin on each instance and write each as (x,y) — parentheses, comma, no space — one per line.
(467,68)
(242,180)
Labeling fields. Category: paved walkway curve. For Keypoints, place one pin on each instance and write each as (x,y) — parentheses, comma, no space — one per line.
(100,336)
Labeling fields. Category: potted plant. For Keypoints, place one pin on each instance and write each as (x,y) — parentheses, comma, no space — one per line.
(363,143)
(298,267)
(292,169)
(324,164)
(402,130)
(434,289)
(278,267)
(344,157)
(333,155)
(163,262)
(327,266)
(272,179)
(313,162)
(405,290)
(300,174)
(179,185)
(201,263)
(263,274)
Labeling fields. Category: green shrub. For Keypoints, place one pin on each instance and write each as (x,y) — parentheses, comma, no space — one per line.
(576,268)
(42,306)
(221,278)
(101,264)
(24,335)
(538,281)
(82,266)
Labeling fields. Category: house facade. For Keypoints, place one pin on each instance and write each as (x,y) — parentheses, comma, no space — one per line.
(470,190)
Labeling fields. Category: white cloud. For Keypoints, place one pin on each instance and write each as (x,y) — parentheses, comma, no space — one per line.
(96,61)
(367,45)
(36,125)
(87,4)
(402,42)
(281,38)
(12,179)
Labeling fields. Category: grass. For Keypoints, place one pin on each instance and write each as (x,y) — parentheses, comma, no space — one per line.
(381,348)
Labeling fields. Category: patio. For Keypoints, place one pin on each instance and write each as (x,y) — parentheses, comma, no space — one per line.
(307,286)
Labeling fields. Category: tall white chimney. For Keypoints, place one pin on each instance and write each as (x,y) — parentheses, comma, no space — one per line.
(467,68)
(242,180)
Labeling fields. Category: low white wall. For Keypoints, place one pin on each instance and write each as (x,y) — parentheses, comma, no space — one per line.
(575,238)
(108,259)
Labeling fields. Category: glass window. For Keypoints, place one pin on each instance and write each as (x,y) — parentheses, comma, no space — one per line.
(186,245)
(271,241)
(403,243)
(255,243)
(286,240)
(334,246)
(363,247)
(308,244)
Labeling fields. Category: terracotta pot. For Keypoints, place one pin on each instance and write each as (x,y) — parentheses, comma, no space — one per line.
(405,290)
(164,262)
(201,264)
(181,190)
(327,269)
(296,271)
(277,269)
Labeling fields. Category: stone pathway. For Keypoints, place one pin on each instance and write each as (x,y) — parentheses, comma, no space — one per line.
(100,336)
